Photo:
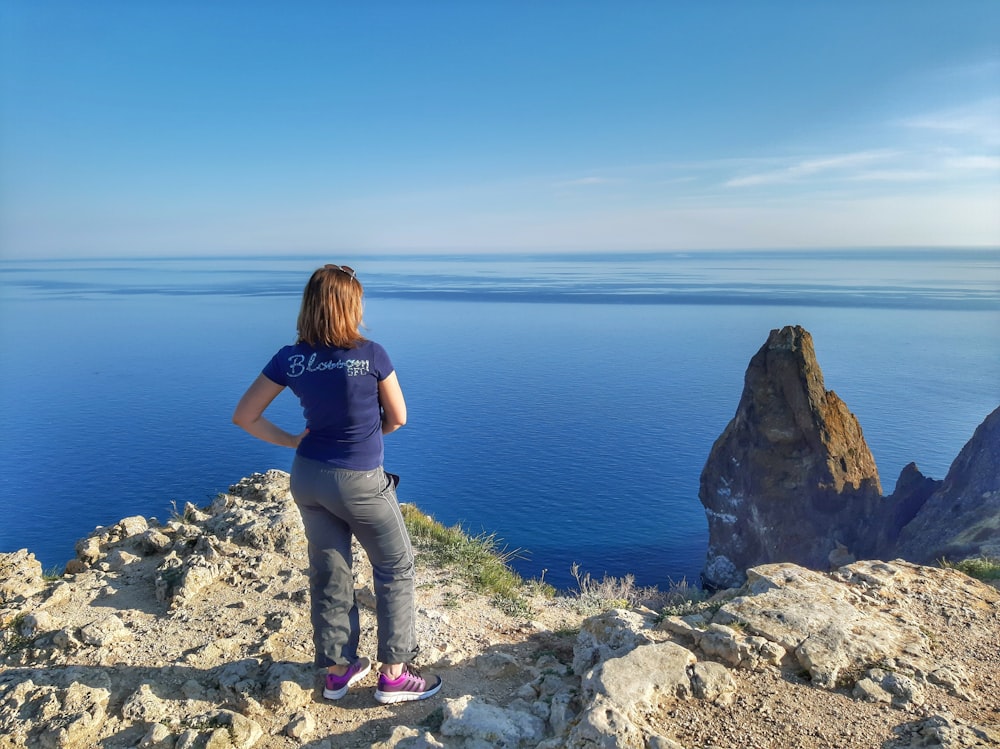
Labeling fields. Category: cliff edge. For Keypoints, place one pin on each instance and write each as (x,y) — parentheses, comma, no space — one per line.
(194,634)
(961,518)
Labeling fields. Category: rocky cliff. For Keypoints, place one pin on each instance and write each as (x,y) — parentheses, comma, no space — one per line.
(791,479)
(194,634)
(961,517)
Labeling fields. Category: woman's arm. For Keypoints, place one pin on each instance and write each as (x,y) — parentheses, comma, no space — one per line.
(390,397)
(249,414)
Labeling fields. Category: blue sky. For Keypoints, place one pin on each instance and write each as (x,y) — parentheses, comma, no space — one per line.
(214,128)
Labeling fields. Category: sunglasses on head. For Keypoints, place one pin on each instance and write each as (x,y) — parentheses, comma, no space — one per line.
(343,269)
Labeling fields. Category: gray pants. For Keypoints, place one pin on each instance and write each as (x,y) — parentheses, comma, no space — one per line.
(337,503)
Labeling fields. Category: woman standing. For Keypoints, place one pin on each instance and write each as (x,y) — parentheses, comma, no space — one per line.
(350,397)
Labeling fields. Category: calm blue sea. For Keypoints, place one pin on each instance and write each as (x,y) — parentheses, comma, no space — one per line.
(564,403)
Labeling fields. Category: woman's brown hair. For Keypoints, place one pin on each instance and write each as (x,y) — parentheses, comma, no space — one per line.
(331,308)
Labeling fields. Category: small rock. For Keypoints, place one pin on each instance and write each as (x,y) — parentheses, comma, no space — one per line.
(301,726)
(157,737)
(143,706)
(472,719)
(365,598)
(119,559)
(104,632)
(88,549)
(20,576)
(712,682)
(404,737)
(870,690)
(75,567)
(35,623)
(153,542)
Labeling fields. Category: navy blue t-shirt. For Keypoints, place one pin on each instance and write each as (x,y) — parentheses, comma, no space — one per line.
(338,390)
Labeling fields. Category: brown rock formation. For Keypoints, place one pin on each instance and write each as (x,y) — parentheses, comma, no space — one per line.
(791,479)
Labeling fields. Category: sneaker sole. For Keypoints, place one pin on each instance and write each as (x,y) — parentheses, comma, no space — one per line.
(336,694)
(389,698)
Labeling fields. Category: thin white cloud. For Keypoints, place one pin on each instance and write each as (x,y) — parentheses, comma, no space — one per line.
(979,120)
(963,218)
(585,182)
(810,167)
(677,180)
(986,163)
(893,175)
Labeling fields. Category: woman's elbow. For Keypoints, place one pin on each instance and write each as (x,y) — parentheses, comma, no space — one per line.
(391,425)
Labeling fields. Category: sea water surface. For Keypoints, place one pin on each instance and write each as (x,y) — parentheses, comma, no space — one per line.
(564,403)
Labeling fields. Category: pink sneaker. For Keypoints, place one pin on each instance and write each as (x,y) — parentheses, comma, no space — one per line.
(336,686)
(410,685)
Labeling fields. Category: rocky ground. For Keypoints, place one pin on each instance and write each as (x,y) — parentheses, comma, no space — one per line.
(195,633)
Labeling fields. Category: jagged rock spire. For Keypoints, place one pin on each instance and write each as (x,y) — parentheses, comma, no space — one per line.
(791,479)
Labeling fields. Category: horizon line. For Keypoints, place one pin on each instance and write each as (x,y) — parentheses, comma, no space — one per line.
(388,253)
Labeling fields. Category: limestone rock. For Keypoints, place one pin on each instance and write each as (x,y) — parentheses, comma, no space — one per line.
(879,685)
(944,732)
(301,726)
(104,631)
(238,730)
(619,692)
(726,645)
(404,737)
(128,527)
(157,737)
(153,542)
(144,706)
(841,624)
(605,725)
(480,723)
(82,714)
(818,619)
(607,635)
(712,682)
(643,677)
(287,686)
(88,550)
(791,475)
(181,580)
(35,623)
(20,576)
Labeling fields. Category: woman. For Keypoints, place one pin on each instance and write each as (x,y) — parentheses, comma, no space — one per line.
(350,397)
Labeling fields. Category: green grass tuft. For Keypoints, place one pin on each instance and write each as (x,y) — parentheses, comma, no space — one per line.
(982,568)
(478,560)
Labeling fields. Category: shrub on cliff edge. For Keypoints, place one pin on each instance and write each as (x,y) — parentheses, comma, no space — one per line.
(982,568)
(478,560)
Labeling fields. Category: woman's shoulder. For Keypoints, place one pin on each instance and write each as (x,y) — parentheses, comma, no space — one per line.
(369,345)
(293,348)
(375,352)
